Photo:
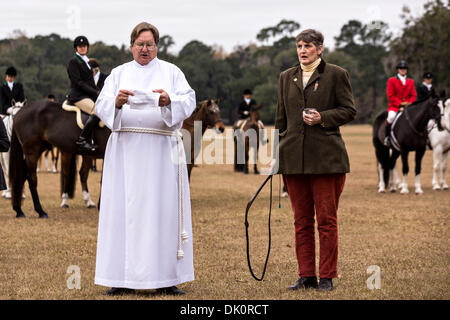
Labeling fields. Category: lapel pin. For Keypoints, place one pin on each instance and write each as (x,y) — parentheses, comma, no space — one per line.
(316,85)
(295,79)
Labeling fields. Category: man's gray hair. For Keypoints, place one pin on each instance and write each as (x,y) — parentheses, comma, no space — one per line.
(310,35)
(144,26)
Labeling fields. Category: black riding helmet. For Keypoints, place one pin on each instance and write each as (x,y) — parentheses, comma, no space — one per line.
(402,65)
(80,40)
(427,75)
(11,71)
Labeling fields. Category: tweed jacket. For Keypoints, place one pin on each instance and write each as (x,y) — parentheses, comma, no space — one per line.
(317,149)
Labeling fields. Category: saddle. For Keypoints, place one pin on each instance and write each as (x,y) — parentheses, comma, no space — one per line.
(81,116)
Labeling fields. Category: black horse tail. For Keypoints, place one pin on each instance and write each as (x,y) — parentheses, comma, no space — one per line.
(17,170)
(71,183)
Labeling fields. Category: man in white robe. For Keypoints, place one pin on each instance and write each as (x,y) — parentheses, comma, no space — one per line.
(145,216)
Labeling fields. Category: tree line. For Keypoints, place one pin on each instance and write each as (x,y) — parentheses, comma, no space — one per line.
(367,50)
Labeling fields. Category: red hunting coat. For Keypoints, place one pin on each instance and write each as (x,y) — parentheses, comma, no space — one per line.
(398,93)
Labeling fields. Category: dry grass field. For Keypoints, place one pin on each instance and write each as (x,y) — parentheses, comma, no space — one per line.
(407,236)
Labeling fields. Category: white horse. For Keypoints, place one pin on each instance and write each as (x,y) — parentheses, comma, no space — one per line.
(440,142)
(4,158)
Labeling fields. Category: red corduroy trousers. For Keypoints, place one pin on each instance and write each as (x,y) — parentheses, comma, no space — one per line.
(319,194)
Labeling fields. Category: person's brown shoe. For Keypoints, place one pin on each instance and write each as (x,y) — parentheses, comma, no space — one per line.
(170,291)
(118,291)
(304,283)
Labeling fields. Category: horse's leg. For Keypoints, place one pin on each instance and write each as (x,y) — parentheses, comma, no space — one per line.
(256,157)
(47,167)
(5,165)
(437,164)
(418,169)
(392,171)
(444,160)
(31,160)
(65,173)
(86,166)
(405,171)
(246,151)
(189,169)
(56,159)
(238,167)
(381,184)
(53,160)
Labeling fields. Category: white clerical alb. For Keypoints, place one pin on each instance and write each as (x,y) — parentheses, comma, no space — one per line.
(143,222)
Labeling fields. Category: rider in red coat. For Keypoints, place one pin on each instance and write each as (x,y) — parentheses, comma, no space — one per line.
(400,93)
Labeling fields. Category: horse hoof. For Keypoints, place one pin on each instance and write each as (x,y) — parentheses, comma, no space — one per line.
(436,187)
(445,187)
(404,192)
(419,193)
(64,206)
(381,191)
(92,206)
(21,215)
(43,216)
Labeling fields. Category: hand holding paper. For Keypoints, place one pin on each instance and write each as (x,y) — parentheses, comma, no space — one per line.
(122,97)
(164,99)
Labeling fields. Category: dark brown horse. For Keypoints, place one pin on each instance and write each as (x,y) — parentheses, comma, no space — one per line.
(207,113)
(246,135)
(36,127)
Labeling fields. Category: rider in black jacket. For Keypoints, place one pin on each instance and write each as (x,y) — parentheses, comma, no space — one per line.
(83,91)
(10,90)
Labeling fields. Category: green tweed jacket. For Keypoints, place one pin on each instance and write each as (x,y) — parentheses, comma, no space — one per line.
(317,149)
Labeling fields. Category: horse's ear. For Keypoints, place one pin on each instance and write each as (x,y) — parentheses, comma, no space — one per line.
(13,102)
(209,102)
(217,100)
(25,102)
(442,94)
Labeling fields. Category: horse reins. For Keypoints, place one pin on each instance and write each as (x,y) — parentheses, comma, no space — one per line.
(247,225)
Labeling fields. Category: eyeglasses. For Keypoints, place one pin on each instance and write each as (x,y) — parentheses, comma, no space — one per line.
(141,45)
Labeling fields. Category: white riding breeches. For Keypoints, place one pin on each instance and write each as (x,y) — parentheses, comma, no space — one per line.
(391,116)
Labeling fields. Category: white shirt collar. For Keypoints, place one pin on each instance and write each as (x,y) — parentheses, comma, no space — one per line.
(10,85)
(402,78)
(428,85)
(85,59)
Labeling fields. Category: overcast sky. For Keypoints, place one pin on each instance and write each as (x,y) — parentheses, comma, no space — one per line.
(226,23)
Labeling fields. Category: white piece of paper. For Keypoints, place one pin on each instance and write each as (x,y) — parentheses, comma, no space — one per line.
(143,99)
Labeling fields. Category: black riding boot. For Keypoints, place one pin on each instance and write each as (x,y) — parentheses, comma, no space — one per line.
(84,142)
(387,135)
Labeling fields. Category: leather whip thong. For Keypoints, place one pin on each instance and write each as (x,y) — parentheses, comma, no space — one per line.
(246,228)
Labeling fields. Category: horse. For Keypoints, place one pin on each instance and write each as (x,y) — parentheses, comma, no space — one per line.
(54,153)
(440,143)
(242,139)
(37,127)
(208,112)
(408,133)
(4,159)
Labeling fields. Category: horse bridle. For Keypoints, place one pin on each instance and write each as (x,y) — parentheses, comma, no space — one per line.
(247,225)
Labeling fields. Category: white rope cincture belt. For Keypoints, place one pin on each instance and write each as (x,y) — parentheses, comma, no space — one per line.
(182,234)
